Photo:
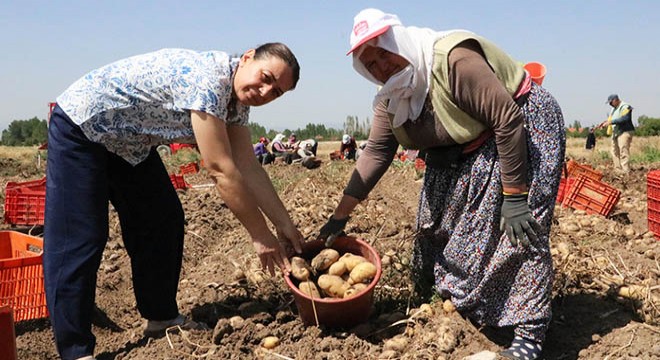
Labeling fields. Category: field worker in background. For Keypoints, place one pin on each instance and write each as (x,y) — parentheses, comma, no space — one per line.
(292,140)
(306,150)
(261,152)
(591,140)
(307,147)
(495,146)
(101,144)
(348,147)
(278,148)
(622,132)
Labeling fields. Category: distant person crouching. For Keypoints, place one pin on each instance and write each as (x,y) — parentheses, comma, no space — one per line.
(261,152)
(348,147)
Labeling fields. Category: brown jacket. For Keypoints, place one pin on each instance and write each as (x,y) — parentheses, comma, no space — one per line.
(478,92)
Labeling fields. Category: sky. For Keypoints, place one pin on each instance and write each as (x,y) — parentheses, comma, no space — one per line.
(590,48)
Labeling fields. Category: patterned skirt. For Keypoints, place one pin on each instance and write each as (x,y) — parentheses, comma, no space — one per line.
(460,248)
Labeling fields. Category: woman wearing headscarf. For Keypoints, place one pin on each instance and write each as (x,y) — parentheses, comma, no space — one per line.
(494,142)
(278,147)
(348,147)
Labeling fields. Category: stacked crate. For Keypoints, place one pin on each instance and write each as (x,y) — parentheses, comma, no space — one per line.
(592,196)
(581,188)
(25,202)
(190,168)
(178,181)
(653,201)
(420,164)
(565,183)
(21,275)
(572,170)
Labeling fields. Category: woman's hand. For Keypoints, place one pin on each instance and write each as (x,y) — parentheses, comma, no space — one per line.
(271,253)
(290,235)
(332,230)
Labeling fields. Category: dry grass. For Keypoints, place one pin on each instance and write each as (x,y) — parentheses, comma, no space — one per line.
(19,153)
(575,148)
(326,147)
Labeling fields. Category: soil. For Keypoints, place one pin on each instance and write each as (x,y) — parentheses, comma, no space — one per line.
(222,284)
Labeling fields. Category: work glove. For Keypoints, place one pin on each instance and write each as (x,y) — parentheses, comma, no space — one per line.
(517,220)
(332,229)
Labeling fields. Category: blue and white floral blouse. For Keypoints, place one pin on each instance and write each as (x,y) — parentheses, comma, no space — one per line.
(139,102)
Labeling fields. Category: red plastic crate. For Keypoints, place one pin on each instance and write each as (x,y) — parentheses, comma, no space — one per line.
(653,185)
(25,202)
(336,155)
(653,204)
(564,186)
(178,181)
(22,275)
(420,164)
(654,222)
(190,168)
(592,196)
(574,169)
(37,185)
(178,146)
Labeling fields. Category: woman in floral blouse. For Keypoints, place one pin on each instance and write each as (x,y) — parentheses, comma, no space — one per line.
(102,139)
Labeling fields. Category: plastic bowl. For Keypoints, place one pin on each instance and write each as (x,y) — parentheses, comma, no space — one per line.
(337,313)
(537,71)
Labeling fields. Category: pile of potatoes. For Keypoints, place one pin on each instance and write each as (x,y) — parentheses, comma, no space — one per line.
(332,276)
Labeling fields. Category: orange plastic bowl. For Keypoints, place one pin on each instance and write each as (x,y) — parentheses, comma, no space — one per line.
(337,313)
(537,71)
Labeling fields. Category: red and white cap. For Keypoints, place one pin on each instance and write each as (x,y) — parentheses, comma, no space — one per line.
(368,24)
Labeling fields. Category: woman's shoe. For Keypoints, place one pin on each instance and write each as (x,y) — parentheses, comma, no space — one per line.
(157,328)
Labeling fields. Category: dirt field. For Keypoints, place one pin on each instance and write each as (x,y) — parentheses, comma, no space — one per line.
(596,260)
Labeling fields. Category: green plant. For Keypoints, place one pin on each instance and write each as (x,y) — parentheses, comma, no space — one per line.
(281,183)
(603,156)
(647,126)
(185,156)
(649,154)
(419,174)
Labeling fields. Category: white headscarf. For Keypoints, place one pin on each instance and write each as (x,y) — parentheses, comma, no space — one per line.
(407,89)
(278,138)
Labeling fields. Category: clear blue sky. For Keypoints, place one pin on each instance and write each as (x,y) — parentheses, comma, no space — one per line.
(591,48)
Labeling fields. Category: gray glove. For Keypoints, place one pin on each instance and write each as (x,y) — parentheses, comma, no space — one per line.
(517,220)
(332,229)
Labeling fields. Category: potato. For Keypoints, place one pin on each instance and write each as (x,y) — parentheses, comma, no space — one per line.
(448,306)
(324,259)
(300,269)
(309,288)
(351,260)
(354,290)
(338,268)
(362,273)
(270,342)
(333,285)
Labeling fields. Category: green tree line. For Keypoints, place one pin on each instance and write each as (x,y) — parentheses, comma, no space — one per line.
(25,133)
(34,131)
(352,126)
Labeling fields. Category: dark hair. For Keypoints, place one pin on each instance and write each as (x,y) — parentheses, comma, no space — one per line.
(282,52)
